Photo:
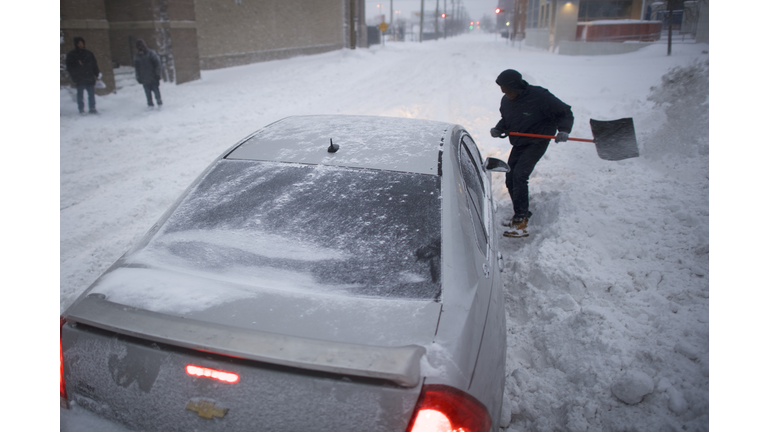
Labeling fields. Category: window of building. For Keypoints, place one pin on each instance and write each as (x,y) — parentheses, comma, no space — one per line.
(532,20)
(544,15)
(591,10)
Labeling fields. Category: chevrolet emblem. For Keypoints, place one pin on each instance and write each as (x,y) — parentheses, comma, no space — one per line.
(206,409)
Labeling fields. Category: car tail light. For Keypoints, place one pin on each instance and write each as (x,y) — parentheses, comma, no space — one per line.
(442,408)
(223,376)
(62,388)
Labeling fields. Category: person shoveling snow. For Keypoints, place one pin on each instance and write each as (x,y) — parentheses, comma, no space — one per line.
(534,110)
(535,114)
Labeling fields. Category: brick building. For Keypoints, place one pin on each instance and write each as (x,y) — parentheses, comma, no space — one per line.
(192,35)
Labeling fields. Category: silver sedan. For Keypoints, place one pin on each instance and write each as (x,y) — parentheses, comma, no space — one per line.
(336,273)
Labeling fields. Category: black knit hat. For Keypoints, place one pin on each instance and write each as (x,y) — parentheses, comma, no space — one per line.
(512,79)
(141,45)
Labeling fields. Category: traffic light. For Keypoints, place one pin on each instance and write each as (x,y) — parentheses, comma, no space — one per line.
(443,16)
(499,10)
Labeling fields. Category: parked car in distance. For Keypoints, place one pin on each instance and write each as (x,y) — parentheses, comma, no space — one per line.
(326,273)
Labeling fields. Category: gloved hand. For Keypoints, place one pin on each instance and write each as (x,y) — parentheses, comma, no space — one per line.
(561,137)
(496,133)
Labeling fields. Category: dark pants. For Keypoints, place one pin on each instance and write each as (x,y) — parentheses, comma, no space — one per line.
(91,97)
(153,88)
(522,160)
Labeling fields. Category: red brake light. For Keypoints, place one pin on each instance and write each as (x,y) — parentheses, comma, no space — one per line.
(62,388)
(223,376)
(442,408)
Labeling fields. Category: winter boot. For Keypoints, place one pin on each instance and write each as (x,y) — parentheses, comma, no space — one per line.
(519,228)
(511,221)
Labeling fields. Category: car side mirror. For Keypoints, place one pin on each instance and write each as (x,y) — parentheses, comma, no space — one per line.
(496,165)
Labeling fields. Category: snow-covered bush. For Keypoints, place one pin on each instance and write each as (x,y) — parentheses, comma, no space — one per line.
(684,96)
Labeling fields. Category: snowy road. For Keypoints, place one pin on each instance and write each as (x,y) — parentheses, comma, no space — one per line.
(609,295)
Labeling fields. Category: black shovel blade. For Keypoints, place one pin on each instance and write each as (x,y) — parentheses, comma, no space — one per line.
(615,139)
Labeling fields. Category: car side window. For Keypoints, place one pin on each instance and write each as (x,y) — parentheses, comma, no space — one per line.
(472,147)
(471,173)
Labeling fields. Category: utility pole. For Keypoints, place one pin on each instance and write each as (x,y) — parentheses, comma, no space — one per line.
(669,28)
(352,24)
(453,18)
(671,5)
(437,18)
(516,19)
(421,22)
(445,20)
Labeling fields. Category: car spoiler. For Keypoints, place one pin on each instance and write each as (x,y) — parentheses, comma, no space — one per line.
(400,365)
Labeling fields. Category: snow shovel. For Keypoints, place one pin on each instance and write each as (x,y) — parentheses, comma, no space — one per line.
(614,139)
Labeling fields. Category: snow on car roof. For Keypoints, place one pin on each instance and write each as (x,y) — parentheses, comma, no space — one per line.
(387,143)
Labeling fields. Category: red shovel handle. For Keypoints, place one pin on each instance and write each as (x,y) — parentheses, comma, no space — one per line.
(547,136)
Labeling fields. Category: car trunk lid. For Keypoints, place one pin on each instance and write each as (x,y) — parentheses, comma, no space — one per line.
(396,363)
(148,385)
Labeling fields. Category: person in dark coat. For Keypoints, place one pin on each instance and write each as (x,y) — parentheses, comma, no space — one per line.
(83,69)
(147,64)
(528,109)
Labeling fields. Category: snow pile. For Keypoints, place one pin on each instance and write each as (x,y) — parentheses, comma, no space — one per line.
(684,97)
(607,300)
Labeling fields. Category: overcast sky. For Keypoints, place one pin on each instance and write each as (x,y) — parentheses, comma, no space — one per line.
(475,8)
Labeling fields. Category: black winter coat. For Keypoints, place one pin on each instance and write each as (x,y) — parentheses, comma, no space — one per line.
(81,65)
(535,111)
(147,66)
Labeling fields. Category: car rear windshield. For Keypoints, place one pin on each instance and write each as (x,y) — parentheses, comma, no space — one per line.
(356,232)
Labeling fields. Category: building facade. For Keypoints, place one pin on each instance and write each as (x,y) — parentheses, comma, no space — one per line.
(554,24)
(193,35)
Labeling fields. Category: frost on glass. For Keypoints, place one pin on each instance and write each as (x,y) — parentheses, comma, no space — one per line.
(349,231)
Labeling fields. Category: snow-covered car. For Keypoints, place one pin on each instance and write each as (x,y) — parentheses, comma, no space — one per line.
(336,273)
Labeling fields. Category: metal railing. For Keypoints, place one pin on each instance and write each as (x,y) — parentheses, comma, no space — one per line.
(677,37)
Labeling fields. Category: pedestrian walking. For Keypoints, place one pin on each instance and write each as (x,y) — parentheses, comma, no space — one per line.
(147,64)
(84,71)
(529,109)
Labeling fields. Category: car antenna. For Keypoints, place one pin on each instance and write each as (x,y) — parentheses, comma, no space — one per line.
(333,148)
